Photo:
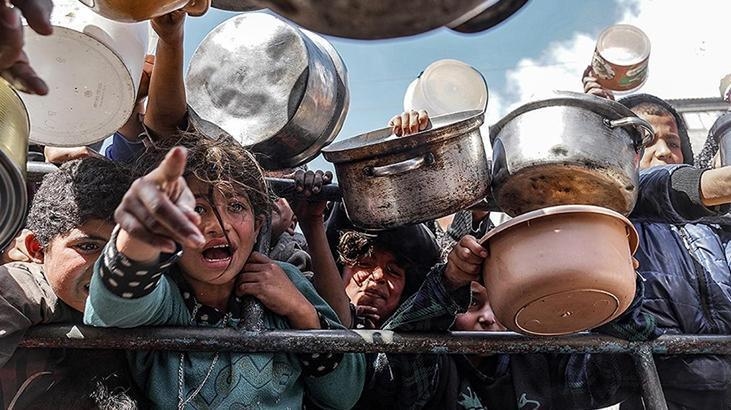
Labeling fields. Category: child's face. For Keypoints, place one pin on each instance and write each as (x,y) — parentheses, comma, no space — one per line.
(377,281)
(665,148)
(283,219)
(218,261)
(68,260)
(479,315)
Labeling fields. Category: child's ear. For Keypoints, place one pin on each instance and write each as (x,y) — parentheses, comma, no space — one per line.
(35,250)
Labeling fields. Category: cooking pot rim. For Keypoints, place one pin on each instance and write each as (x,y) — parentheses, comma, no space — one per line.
(565,210)
(383,142)
(611,110)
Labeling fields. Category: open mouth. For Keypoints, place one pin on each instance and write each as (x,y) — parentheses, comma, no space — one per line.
(217,253)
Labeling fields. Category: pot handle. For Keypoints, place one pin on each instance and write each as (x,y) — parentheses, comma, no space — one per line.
(399,167)
(648,133)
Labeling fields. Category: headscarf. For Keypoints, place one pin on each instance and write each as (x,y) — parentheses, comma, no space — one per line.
(685,147)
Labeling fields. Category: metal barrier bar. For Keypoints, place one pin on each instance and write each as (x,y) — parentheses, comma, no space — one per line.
(652,393)
(369,341)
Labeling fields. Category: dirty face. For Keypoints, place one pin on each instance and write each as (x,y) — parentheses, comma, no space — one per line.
(479,315)
(228,242)
(283,219)
(666,147)
(68,260)
(376,281)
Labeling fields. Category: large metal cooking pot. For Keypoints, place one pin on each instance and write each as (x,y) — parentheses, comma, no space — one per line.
(14,132)
(388,181)
(278,90)
(487,15)
(570,148)
(363,19)
(561,269)
(129,11)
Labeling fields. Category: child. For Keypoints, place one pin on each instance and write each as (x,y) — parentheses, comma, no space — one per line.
(69,222)
(212,210)
(451,298)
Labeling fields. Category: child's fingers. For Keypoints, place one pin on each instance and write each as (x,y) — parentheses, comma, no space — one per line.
(171,168)
(258,257)
(327,177)
(152,228)
(413,122)
(463,265)
(169,216)
(470,243)
(139,231)
(395,125)
(423,120)
(309,183)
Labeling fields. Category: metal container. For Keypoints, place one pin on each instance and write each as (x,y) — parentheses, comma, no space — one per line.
(388,181)
(561,269)
(486,15)
(276,89)
(362,19)
(721,132)
(570,148)
(14,132)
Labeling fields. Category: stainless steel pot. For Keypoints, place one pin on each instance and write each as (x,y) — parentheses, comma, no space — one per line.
(276,89)
(388,181)
(14,132)
(570,148)
(363,19)
(486,15)
(721,132)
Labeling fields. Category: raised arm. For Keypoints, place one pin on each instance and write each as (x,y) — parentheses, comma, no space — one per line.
(166,106)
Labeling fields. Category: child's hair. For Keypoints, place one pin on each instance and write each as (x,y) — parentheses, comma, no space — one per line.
(222,162)
(414,247)
(80,190)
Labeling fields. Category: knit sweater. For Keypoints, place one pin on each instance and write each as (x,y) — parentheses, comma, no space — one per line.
(225,379)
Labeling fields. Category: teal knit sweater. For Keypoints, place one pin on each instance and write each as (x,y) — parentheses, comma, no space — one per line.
(238,380)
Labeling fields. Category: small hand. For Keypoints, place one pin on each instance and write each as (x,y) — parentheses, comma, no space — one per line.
(158,208)
(592,86)
(309,183)
(369,314)
(266,281)
(409,122)
(464,263)
(14,64)
(170,27)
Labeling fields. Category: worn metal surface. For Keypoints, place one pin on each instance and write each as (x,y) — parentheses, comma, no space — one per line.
(272,87)
(388,181)
(14,133)
(652,393)
(309,341)
(561,150)
(363,19)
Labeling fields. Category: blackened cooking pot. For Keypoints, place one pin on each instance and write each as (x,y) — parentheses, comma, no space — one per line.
(388,181)
(570,148)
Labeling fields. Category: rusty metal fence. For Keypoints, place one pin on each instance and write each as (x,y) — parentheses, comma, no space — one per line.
(372,341)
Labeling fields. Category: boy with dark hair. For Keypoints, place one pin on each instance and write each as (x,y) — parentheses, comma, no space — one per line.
(70,221)
(682,257)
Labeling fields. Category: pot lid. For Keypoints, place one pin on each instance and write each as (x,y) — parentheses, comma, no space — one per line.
(609,109)
(383,141)
(249,75)
(565,209)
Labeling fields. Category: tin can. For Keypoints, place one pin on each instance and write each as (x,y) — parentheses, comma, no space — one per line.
(621,58)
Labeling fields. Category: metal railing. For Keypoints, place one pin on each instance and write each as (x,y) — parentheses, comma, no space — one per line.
(373,341)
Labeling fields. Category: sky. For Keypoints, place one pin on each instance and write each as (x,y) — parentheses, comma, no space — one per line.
(544,46)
